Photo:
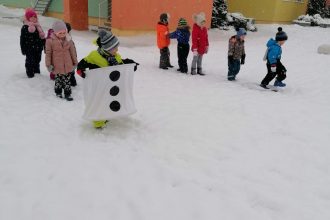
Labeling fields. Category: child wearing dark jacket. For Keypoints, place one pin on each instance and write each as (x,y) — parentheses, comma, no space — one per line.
(236,53)
(182,34)
(273,58)
(32,41)
(105,55)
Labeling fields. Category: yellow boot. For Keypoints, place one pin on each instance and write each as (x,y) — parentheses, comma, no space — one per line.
(100,124)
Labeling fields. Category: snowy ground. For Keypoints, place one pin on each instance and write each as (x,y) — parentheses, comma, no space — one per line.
(199,148)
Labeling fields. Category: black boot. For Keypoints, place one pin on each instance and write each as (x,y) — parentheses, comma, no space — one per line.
(199,71)
(68,98)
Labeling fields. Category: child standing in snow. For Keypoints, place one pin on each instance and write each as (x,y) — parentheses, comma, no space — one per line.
(49,34)
(163,41)
(61,59)
(73,81)
(106,55)
(32,41)
(200,43)
(182,34)
(236,53)
(273,57)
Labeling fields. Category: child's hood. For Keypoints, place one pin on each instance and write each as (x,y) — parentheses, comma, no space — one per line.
(272,43)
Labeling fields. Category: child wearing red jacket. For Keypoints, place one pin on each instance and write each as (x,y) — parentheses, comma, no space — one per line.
(163,41)
(200,43)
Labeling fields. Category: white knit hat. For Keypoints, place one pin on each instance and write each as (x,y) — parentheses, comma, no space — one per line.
(199,18)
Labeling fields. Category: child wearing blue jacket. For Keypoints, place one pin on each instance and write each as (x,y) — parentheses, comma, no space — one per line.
(273,57)
(182,34)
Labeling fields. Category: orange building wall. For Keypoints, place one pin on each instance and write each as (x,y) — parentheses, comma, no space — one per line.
(76,13)
(144,14)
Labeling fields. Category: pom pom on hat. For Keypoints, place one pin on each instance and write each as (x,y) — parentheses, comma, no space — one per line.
(29,13)
(281,35)
(107,40)
(59,26)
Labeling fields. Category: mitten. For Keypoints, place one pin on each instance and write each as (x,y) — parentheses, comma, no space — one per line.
(243,59)
(81,73)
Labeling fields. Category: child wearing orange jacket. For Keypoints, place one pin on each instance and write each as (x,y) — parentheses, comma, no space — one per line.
(163,41)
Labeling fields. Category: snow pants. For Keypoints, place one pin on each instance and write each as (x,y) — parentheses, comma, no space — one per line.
(234,67)
(183,51)
(280,73)
(32,62)
(62,82)
(164,58)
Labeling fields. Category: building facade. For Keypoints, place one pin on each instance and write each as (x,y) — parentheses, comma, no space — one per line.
(121,14)
(269,11)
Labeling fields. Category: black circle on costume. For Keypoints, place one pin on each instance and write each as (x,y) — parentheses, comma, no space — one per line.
(114,91)
(115,106)
(114,75)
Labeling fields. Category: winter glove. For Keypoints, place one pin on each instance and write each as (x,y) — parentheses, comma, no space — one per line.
(81,73)
(127,61)
(273,68)
(50,68)
(195,53)
(230,59)
(243,59)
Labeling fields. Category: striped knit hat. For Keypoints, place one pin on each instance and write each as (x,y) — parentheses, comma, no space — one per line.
(108,40)
(182,22)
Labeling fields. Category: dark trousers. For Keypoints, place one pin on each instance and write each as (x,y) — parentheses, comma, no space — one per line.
(62,82)
(32,63)
(280,73)
(234,67)
(164,57)
(183,51)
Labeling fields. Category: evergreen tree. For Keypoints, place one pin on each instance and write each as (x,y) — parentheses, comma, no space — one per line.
(219,13)
(316,7)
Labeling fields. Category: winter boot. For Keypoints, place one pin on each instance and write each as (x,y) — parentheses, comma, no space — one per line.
(59,95)
(193,71)
(264,86)
(68,98)
(279,84)
(199,71)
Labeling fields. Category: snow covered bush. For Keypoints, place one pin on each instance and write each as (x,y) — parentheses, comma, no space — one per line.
(324,49)
(315,20)
(239,21)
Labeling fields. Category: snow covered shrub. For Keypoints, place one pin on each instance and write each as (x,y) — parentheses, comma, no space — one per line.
(239,21)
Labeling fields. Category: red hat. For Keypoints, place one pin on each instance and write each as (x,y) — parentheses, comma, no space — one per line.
(29,13)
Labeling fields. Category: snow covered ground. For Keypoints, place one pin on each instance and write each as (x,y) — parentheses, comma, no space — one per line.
(199,147)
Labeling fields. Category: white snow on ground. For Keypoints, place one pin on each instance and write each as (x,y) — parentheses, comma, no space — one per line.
(199,147)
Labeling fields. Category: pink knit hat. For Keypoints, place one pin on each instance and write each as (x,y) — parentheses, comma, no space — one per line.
(29,13)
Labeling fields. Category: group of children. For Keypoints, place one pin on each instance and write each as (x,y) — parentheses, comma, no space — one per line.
(61,56)
(200,43)
(200,46)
